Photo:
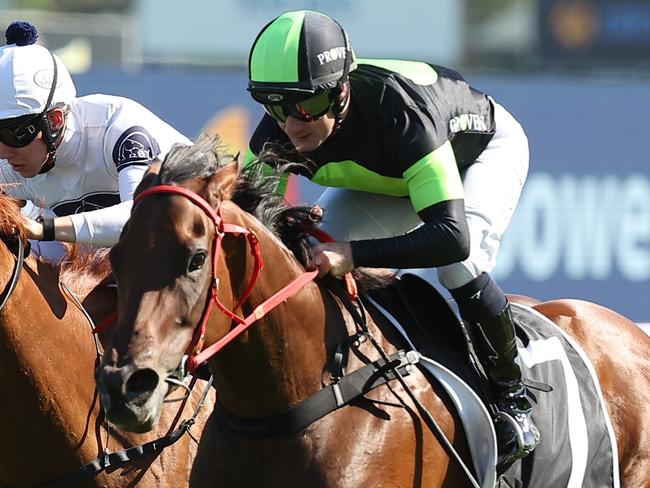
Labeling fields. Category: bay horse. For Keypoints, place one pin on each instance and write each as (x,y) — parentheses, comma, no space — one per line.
(50,415)
(191,242)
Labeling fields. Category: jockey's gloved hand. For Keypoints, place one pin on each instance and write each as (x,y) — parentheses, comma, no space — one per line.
(334,258)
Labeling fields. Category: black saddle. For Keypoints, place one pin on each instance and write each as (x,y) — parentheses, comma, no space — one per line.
(433,327)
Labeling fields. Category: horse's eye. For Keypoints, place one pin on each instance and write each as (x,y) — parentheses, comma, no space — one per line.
(197,260)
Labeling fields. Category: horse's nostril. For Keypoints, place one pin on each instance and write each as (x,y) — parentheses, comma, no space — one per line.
(142,381)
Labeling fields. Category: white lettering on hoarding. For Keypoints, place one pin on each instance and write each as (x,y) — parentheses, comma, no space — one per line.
(633,241)
(584,227)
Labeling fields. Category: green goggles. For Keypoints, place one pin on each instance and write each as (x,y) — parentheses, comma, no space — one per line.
(22,132)
(307,110)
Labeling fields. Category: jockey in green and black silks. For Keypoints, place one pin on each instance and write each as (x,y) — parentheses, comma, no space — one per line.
(424,173)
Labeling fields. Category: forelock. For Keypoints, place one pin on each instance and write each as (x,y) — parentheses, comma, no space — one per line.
(200,160)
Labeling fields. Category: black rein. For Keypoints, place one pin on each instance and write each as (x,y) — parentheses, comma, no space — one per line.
(15,276)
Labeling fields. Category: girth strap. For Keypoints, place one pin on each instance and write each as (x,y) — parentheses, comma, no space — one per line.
(332,397)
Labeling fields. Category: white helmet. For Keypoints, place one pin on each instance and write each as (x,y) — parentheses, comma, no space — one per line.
(26,74)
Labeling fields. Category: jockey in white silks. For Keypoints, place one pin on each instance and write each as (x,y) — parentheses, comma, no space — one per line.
(77,160)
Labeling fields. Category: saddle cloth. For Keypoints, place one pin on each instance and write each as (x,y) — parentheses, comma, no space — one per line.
(577,446)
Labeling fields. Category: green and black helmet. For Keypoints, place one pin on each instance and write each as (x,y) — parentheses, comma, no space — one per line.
(298,55)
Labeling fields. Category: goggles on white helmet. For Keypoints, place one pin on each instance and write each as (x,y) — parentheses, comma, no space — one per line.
(32,82)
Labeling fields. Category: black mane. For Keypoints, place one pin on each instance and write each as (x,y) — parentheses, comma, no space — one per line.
(255,190)
(257,193)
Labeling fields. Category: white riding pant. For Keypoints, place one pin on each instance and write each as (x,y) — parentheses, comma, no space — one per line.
(492,187)
(52,251)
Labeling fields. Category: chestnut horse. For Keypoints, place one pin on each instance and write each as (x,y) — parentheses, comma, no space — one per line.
(50,414)
(186,244)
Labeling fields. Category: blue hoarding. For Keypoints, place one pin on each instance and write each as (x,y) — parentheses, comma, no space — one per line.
(594,33)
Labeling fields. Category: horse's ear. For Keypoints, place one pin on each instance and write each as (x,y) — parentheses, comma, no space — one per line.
(222,182)
(150,177)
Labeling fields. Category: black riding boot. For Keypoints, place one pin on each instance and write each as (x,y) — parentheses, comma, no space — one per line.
(483,304)
(497,351)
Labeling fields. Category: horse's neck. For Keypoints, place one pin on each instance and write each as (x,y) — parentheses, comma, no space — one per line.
(281,357)
(49,407)
(44,413)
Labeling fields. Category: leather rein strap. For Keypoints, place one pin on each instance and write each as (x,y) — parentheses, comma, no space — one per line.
(197,354)
(15,275)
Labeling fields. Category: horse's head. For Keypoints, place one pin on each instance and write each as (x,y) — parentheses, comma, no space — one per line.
(163,264)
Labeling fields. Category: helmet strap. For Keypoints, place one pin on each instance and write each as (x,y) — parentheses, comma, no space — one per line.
(338,107)
(49,136)
(342,101)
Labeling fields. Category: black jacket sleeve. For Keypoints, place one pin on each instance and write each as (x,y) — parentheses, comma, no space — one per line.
(442,239)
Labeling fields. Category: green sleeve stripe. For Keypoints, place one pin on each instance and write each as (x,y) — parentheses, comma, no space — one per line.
(434,178)
(349,174)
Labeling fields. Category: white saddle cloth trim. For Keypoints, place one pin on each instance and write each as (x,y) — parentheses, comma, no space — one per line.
(475,418)
(608,423)
(544,350)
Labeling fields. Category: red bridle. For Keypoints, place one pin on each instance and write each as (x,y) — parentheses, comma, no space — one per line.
(221,228)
